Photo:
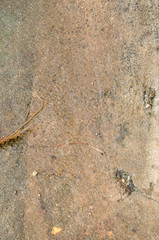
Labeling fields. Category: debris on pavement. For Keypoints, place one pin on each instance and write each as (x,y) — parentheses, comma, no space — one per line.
(56,230)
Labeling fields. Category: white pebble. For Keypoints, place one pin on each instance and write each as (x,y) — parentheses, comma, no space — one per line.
(35,173)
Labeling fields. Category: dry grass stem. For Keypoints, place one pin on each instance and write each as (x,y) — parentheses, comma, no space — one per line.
(76,143)
(18,132)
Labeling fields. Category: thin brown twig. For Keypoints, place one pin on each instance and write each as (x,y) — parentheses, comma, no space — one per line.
(76,143)
(86,143)
(16,133)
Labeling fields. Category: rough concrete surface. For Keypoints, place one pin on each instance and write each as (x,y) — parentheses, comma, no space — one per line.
(95,64)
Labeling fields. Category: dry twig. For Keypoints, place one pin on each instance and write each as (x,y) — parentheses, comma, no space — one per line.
(74,143)
(18,132)
(82,143)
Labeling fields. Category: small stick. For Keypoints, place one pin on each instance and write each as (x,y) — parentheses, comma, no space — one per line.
(95,148)
(77,143)
(85,143)
(16,133)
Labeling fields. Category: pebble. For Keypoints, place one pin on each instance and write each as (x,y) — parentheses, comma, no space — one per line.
(35,173)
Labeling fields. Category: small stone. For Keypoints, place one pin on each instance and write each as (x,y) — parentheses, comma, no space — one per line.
(148,105)
(35,173)
(56,230)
